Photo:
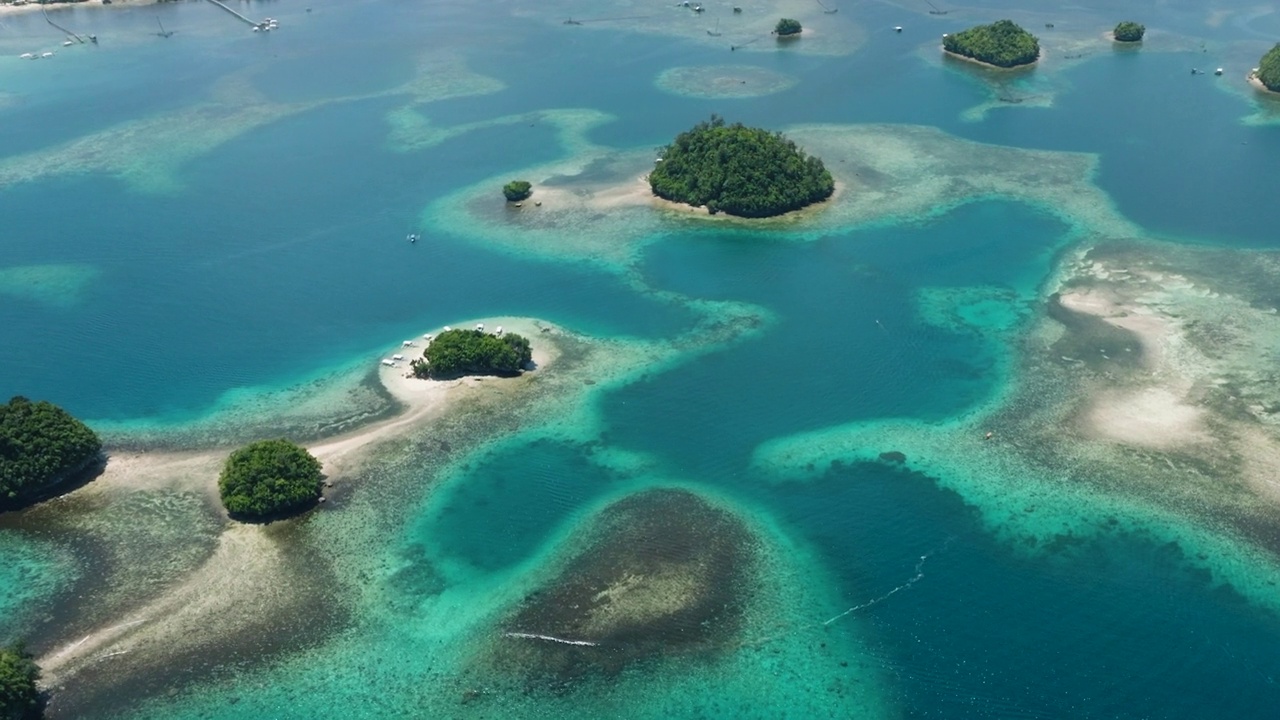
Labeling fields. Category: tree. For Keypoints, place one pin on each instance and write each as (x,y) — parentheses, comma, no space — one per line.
(787,27)
(1129,31)
(19,697)
(269,478)
(743,171)
(1269,69)
(1001,43)
(41,445)
(517,190)
(454,353)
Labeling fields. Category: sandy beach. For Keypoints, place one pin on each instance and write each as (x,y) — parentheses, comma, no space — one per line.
(246,566)
(1257,84)
(989,66)
(35,6)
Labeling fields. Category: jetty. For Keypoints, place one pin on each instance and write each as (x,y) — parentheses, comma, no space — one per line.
(267,24)
(56,25)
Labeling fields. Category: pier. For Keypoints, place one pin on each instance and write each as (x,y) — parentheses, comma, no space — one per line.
(237,13)
(56,25)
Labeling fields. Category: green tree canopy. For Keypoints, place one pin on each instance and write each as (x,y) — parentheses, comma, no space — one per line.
(1002,43)
(1129,31)
(19,697)
(517,190)
(454,353)
(787,26)
(40,446)
(269,478)
(739,170)
(1269,69)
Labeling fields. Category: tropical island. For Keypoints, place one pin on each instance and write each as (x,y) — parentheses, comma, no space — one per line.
(269,479)
(1129,31)
(1268,73)
(739,170)
(454,353)
(41,446)
(1001,44)
(517,190)
(787,28)
(19,697)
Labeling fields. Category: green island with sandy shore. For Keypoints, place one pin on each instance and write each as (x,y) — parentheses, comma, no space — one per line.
(1269,69)
(1128,31)
(1002,44)
(41,445)
(457,352)
(269,478)
(739,170)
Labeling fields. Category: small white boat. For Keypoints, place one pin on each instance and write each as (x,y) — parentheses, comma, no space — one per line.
(407,343)
(27,56)
(498,331)
(46,55)
(427,336)
(447,328)
(480,327)
(397,358)
(67,43)
(388,363)
(897,28)
(1218,71)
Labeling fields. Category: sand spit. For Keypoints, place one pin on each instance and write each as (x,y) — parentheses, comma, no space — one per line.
(248,574)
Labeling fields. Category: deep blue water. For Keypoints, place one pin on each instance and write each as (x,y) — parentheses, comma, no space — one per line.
(282,253)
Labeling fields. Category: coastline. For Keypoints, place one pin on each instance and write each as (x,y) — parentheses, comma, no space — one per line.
(35,6)
(1259,86)
(247,562)
(989,66)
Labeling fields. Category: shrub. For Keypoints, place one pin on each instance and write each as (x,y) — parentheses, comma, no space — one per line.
(1269,69)
(269,478)
(1001,43)
(19,697)
(739,170)
(1129,31)
(40,446)
(517,190)
(454,353)
(787,26)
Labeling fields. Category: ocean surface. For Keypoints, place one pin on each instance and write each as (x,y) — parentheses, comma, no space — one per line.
(221,214)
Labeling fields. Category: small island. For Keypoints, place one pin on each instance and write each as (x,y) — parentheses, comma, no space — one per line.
(739,170)
(1129,31)
(1268,73)
(455,353)
(517,190)
(269,479)
(19,697)
(787,28)
(1001,44)
(41,446)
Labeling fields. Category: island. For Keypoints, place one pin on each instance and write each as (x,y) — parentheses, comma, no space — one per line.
(1268,73)
(19,697)
(1128,31)
(269,479)
(455,353)
(787,28)
(1001,44)
(517,190)
(41,446)
(739,170)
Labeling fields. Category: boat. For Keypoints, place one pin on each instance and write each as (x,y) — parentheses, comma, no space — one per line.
(397,357)
(498,331)
(407,343)
(388,363)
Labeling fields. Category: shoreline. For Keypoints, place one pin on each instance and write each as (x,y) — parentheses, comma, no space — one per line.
(1260,86)
(246,556)
(36,6)
(989,66)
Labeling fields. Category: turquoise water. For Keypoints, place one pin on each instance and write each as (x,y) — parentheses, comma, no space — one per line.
(261,246)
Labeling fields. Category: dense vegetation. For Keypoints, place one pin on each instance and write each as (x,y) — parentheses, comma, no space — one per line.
(40,446)
(1269,69)
(1129,31)
(517,190)
(269,478)
(473,352)
(19,696)
(1002,43)
(786,27)
(739,170)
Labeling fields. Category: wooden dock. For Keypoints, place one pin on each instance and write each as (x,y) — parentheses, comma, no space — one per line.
(236,13)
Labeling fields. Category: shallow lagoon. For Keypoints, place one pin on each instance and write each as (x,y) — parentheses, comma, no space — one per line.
(275,256)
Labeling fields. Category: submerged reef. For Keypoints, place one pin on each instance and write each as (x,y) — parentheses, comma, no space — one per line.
(1143,400)
(660,572)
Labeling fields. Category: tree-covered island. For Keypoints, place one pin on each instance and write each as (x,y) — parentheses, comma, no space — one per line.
(739,170)
(1269,69)
(454,353)
(41,445)
(19,696)
(787,28)
(517,190)
(1129,31)
(1002,44)
(269,478)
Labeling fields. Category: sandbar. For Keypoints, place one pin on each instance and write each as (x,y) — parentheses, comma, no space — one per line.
(988,65)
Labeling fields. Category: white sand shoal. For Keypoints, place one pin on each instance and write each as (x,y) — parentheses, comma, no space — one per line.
(1151,330)
(1153,417)
(637,193)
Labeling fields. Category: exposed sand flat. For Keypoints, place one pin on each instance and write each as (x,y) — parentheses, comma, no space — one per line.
(1154,417)
(1153,331)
